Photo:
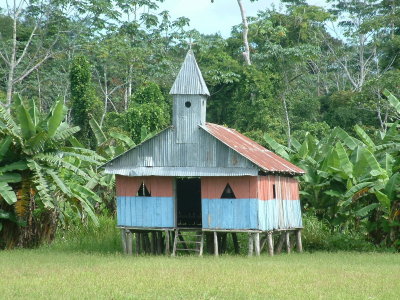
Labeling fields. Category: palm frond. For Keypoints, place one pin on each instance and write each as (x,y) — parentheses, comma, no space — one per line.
(82,151)
(98,132)
(57,115)
(41,183)
(57,162)
(63,134)
(59,182)
(7,193)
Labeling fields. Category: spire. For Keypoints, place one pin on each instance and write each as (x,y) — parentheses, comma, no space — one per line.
(189,80)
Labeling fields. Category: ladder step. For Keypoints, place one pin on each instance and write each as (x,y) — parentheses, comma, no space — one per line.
(188,242)
(196,250)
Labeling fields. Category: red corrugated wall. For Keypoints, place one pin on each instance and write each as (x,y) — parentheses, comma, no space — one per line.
(158,186)
(243,186)
(287,188)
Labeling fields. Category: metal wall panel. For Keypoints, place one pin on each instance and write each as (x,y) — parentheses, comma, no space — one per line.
(279,214)
(169,158)
(243,187)
(158,186)
(145,211)
(229,213)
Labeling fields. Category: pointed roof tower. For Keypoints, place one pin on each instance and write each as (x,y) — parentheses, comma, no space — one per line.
(189,80)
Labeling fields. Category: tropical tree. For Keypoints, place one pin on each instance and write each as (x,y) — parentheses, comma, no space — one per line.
(41,174)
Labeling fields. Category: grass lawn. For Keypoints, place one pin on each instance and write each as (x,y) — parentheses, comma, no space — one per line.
(50,274)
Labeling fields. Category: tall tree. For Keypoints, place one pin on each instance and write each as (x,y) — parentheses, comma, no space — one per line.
(83,98)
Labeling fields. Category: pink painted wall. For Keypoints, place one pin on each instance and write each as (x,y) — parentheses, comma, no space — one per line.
(243,187)
(158,186)
(287,188)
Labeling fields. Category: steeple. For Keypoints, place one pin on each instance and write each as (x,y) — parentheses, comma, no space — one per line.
(189,80)
(189,93)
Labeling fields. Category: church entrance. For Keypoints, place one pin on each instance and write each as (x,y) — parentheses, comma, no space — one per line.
(188,200)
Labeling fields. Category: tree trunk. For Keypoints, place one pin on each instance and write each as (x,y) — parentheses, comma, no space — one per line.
(246,53)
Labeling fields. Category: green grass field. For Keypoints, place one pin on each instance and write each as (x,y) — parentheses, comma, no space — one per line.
(50,274)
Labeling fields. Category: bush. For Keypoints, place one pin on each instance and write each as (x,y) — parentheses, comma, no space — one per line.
(318,236)
(105,238)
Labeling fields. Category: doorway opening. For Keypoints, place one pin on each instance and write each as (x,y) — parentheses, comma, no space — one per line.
(188,200)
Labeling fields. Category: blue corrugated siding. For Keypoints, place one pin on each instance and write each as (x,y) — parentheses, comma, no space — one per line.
(145,211)
(279,214)
(229,213)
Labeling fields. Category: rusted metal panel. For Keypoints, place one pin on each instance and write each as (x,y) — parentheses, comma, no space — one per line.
(189,80)
(262,157)
(287,187)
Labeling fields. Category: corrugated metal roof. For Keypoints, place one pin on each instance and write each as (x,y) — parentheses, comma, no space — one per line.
(189,80)
(262,157)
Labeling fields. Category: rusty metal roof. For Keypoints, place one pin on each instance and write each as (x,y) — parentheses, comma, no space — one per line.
(262,157)
(189,80)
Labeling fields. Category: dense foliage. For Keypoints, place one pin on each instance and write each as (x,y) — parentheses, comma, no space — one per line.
(315,86)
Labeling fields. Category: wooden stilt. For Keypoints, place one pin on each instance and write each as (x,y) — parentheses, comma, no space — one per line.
(159,242)
(235,243)
(123,237)
(210,242)
(270,240)
(137,238)
(257,243)
(201,244)
(143,242)
(166,242)
(215,243)
(147,242)
(279,246)
(251,244)
(299,242)
(287,237)
(263,242)
(153,243)
(129,242)
(175,242)
(223,242)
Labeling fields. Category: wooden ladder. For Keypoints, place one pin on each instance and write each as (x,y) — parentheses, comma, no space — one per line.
(197,241)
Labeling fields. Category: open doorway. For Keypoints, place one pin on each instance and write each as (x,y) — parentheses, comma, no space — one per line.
(188,200)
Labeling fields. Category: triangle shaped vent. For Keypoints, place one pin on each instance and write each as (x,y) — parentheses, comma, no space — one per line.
(143,191)
(228,193)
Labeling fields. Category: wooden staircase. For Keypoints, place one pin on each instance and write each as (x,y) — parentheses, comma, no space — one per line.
(188,241)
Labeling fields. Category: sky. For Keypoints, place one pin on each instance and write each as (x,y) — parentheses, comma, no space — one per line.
(209,17)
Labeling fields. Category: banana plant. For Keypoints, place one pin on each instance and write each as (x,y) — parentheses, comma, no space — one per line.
(350,180)
(40,171)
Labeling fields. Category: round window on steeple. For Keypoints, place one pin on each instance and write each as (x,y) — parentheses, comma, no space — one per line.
(188,104)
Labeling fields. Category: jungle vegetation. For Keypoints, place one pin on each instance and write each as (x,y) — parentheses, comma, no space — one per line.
(82,81)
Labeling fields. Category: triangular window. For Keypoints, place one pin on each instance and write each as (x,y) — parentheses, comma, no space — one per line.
(228,193)
(143,191)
